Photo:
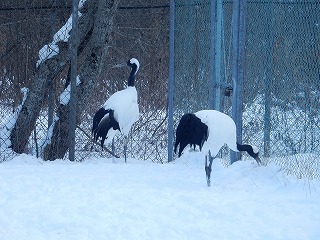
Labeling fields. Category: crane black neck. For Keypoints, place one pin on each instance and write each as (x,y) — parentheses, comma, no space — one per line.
(132,76)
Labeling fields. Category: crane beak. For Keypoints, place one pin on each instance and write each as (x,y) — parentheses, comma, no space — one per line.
(120,65)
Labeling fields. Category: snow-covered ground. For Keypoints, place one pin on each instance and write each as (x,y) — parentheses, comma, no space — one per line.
(97,199)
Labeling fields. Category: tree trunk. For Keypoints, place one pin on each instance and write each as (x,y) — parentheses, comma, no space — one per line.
(92,50)
(94,32)
(31,108)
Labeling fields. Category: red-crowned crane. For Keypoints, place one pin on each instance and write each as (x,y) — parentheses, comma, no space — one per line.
(210,130)
(120,111)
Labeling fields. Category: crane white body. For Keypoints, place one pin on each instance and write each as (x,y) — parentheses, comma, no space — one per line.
(221,128)
(126,110)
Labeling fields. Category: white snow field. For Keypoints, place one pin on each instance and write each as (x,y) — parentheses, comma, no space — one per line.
(98,199)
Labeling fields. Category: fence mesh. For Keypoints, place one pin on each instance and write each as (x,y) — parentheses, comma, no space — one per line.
(143,35)
(281,107)
(192,55)
(281,79)
(282,68)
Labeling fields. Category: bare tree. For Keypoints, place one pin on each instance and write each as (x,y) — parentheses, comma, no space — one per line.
(94,36)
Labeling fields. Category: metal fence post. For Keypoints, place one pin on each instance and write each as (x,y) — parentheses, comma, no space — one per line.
(218,58)
(241,67)
(215,54)
(213,87)
(171,83)
(267,84)
(73,80)
(235,47)
(238,45)
(53,16)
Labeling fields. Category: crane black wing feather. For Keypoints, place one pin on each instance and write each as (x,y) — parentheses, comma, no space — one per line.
(191,131)
(103,121)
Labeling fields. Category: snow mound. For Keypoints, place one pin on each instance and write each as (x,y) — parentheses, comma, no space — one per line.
(98,199)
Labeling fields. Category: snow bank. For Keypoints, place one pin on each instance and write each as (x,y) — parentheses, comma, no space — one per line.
(97,200)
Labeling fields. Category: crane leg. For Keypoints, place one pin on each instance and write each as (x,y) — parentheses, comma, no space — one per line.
(208,168)
(125,147)
(113,151)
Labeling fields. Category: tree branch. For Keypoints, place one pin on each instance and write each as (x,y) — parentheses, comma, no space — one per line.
(92,140)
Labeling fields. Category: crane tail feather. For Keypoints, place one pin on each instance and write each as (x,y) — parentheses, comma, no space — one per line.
(191,131)
(103,121)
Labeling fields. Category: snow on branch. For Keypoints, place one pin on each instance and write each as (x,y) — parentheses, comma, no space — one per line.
(65,95)
(62,35)
(7,125)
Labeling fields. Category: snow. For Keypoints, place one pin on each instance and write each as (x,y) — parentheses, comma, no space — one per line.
(50,50)
(47,52)
(97,199)
(81,3)
(65,95)
(62,35)
(47,140)
(7,124)
(292,130)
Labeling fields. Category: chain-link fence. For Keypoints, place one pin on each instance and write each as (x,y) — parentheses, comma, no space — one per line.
(281,85)
(142,33)
(282,69)
(281,82)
